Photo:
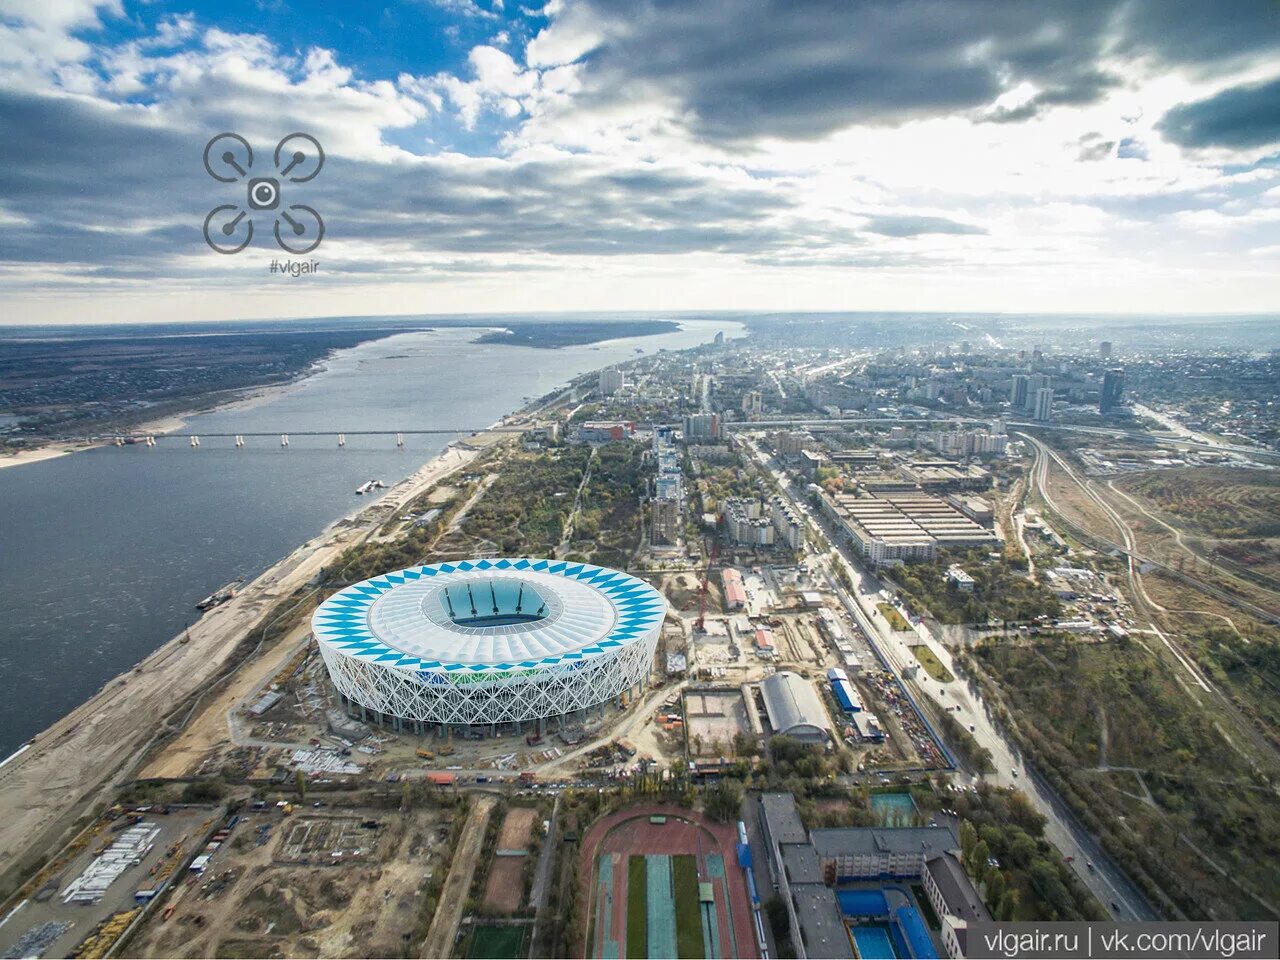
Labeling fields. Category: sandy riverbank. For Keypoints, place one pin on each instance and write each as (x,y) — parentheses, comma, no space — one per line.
(79,761)
(237,400)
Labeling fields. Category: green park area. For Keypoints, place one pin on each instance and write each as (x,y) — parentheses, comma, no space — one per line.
(932,665)
(895,620)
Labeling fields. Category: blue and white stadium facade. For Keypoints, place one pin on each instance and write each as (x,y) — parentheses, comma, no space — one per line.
(487,642)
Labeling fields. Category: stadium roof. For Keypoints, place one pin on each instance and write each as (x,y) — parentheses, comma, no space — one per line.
(488,615)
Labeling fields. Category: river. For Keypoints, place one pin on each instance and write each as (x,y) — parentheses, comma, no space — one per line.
(103,553)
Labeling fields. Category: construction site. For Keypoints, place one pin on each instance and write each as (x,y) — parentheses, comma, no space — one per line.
(325,879)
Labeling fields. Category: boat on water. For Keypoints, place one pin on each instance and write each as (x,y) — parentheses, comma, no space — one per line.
(369,486)
(221,595)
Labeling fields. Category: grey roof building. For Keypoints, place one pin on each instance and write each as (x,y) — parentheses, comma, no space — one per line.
(794,708)
(850,841)
(820,923)
(959,897)
(781,819)
(869,853)
(801,863)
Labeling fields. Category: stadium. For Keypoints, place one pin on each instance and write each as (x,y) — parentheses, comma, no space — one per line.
(488,642)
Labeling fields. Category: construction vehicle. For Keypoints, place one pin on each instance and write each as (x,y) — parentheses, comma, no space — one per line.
(533,739)
(426,754)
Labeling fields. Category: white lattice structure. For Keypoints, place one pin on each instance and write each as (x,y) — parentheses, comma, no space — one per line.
(489,641)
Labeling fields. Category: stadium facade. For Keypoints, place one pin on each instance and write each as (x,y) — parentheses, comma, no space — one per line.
(488,642)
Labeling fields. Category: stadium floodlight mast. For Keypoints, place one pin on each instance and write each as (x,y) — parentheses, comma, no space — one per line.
(486,642)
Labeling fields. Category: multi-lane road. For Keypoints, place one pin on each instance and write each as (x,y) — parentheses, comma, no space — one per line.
(1096,870)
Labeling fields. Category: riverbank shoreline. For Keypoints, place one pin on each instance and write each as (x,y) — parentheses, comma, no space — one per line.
(74,765)
(245,398)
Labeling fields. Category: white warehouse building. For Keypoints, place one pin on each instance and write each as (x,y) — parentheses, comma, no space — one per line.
(794,709)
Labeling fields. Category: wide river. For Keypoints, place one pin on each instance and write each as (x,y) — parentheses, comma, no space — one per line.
(103,553)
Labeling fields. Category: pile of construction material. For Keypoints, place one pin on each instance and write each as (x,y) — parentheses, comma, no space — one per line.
(127,851)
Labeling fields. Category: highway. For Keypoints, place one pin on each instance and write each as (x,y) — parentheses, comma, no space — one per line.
(1106,880)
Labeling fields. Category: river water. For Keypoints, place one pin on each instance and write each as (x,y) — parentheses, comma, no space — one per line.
(103,553)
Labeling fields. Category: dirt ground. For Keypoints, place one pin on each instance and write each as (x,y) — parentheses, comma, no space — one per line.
(517,828)
(328,883)
(504,890)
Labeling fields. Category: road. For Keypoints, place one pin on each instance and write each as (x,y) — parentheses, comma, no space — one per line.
(453,895)
(542,876)
(1107,881)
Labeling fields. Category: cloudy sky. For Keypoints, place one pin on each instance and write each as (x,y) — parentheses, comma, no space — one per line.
(1059,155)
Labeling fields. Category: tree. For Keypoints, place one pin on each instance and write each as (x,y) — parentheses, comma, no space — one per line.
(724,801)
(978,858)
(300,779)
(968,838)
(995,887)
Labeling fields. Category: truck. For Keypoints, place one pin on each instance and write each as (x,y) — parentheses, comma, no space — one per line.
(426,754)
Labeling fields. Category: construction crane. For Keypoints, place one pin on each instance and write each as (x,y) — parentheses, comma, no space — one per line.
(700,625)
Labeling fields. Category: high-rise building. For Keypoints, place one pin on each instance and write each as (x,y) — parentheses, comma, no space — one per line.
(1044,404)
(1112,391)
(701,426)
(1036,383)
(611,381)
(665,521)
(1104,350)
(1018,396)
(752,403)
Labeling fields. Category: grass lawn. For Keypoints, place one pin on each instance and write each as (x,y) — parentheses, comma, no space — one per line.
(896,620)
(688,912)
(497,943)
(637,938)
(932,665)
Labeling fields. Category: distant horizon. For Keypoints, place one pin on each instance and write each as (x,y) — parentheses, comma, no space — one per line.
(691,314)
(1111,158)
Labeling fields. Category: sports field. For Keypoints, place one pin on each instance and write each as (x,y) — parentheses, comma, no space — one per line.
(498,943)
(669,889)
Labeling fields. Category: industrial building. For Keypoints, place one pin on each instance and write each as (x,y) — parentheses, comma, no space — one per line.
(488,642)
(899,526)
(794,709)
(844,692)
(735,591)
(605,431)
